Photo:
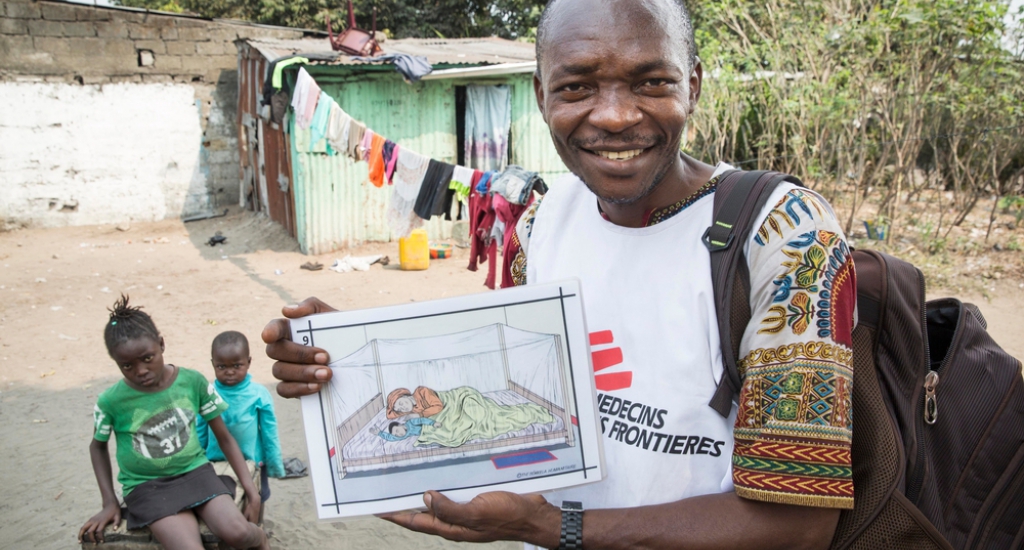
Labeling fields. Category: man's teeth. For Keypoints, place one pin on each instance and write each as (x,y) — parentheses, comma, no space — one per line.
(620,155)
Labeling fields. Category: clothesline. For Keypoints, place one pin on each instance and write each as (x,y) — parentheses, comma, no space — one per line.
(421,187)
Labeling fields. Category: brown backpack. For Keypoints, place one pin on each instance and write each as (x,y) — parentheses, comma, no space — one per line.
(938,440)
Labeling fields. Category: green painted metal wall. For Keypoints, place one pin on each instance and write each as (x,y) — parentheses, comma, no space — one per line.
(334,205)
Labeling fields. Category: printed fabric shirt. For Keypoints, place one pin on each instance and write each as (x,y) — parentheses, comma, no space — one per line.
(251,420)
(156,432)
(793,424)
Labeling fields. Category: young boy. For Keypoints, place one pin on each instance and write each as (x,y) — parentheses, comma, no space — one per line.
(250,415)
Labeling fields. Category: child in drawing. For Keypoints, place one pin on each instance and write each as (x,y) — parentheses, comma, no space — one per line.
(165,476)
(250,416)
(398,431)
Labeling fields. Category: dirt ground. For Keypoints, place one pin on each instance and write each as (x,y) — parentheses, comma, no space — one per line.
(56,284)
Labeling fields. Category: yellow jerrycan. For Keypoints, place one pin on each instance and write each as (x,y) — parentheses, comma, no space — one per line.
(414,251)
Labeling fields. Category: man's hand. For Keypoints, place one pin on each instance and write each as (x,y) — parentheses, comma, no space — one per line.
(92,531)
(486,518)
(298,367)
(252,507)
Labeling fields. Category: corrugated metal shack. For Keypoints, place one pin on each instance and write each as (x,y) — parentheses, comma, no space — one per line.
(323,199)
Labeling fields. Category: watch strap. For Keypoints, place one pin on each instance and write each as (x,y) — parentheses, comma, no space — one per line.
(571,537)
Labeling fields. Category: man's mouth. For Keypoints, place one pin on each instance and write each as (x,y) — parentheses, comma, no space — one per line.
(619,155)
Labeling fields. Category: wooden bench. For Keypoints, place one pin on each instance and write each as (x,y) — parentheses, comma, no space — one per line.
(120,538)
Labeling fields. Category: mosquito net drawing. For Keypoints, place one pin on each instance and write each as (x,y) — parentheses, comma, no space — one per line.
(483,377)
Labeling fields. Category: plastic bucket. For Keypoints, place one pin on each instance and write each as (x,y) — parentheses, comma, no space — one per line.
(414,251)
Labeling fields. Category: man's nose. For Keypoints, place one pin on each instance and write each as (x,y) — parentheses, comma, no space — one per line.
(615,110)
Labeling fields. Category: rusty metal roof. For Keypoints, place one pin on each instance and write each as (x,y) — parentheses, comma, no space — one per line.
(439,51)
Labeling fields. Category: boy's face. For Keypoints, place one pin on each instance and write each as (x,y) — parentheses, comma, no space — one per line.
(231,364)
(399,430)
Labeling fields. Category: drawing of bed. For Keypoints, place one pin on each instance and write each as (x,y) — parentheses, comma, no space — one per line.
(491,390)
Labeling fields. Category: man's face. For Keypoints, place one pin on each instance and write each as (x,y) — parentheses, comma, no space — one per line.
(231,364)
(616,92)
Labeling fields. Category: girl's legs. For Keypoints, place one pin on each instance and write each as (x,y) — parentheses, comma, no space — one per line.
(178,532)
(227,522)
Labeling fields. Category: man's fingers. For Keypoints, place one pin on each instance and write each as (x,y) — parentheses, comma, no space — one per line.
(292,372)
(290,390)
(290,352)
(446,510)
(309,306)
(275,330)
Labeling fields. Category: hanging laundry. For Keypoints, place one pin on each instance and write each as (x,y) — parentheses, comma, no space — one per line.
(356,131)
(484,185)
(304,88)
(274,69)
(376,160)
(508,214)
(312,97)
(461,179)
(517,185)
(318,124)
(390,154)
(337,128)
(410,169)
(364,146)
(488,120)
(412,67)
(482,248)
(431,198)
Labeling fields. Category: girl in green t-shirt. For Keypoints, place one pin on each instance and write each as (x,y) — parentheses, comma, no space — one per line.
(165,476)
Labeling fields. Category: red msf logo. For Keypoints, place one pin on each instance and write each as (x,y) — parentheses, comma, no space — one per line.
(609,357)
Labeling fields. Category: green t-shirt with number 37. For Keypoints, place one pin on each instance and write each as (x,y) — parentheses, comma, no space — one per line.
(156,432)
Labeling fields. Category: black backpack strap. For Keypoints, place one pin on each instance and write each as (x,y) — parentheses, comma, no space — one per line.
(738,198)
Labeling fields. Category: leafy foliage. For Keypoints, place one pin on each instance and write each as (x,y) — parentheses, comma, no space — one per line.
(399,18)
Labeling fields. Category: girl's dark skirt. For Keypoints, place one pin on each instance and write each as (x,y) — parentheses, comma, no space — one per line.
(166,496)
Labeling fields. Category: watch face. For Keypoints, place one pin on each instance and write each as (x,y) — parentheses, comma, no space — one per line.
(571,506)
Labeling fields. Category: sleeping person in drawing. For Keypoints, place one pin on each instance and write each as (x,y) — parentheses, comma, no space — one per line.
(466,414)
(398,431)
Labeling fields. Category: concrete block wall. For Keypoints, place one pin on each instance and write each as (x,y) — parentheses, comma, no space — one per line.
(49,45)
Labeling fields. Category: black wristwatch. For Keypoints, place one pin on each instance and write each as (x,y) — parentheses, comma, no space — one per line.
(572,526)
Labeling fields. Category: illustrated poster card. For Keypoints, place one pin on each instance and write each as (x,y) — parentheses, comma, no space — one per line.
(465,395)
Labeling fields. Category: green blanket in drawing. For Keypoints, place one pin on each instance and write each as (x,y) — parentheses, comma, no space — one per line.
(468,415)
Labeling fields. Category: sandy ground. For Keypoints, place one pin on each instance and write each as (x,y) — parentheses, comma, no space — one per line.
(56,284)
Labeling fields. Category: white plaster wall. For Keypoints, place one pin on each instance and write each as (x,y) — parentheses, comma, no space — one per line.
(93,154)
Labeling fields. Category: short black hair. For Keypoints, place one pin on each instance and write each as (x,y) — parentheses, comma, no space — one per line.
(230,338)
(392,425)
(684,21)
(127,323)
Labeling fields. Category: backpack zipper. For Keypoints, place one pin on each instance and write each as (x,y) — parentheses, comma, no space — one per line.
(917,478)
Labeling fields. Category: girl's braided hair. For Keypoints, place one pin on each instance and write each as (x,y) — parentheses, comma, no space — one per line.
(127,323)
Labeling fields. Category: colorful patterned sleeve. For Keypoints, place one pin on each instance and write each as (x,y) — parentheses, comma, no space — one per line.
(794,425)
(514,259)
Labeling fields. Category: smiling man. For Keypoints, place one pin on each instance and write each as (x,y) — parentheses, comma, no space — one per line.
(616,82)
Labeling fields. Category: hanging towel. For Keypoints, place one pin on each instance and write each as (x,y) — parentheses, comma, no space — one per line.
(337,128)
(482,247)
(431,198)
(410,168)
(356,130)
(318,124)
(305,88)
(274,81)
(376,161)
(390,155)
(488,119)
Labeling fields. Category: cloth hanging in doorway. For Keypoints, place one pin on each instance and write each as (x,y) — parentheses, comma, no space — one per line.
(410,169)
(488,120)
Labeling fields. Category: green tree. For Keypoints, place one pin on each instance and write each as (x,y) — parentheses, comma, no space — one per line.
(401,18)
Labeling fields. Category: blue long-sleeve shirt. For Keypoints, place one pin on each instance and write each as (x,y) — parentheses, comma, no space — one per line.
(250,419)
(413,427)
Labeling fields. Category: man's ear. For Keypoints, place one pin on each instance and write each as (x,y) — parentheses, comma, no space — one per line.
(696,81)
(161,343)
(538,92)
